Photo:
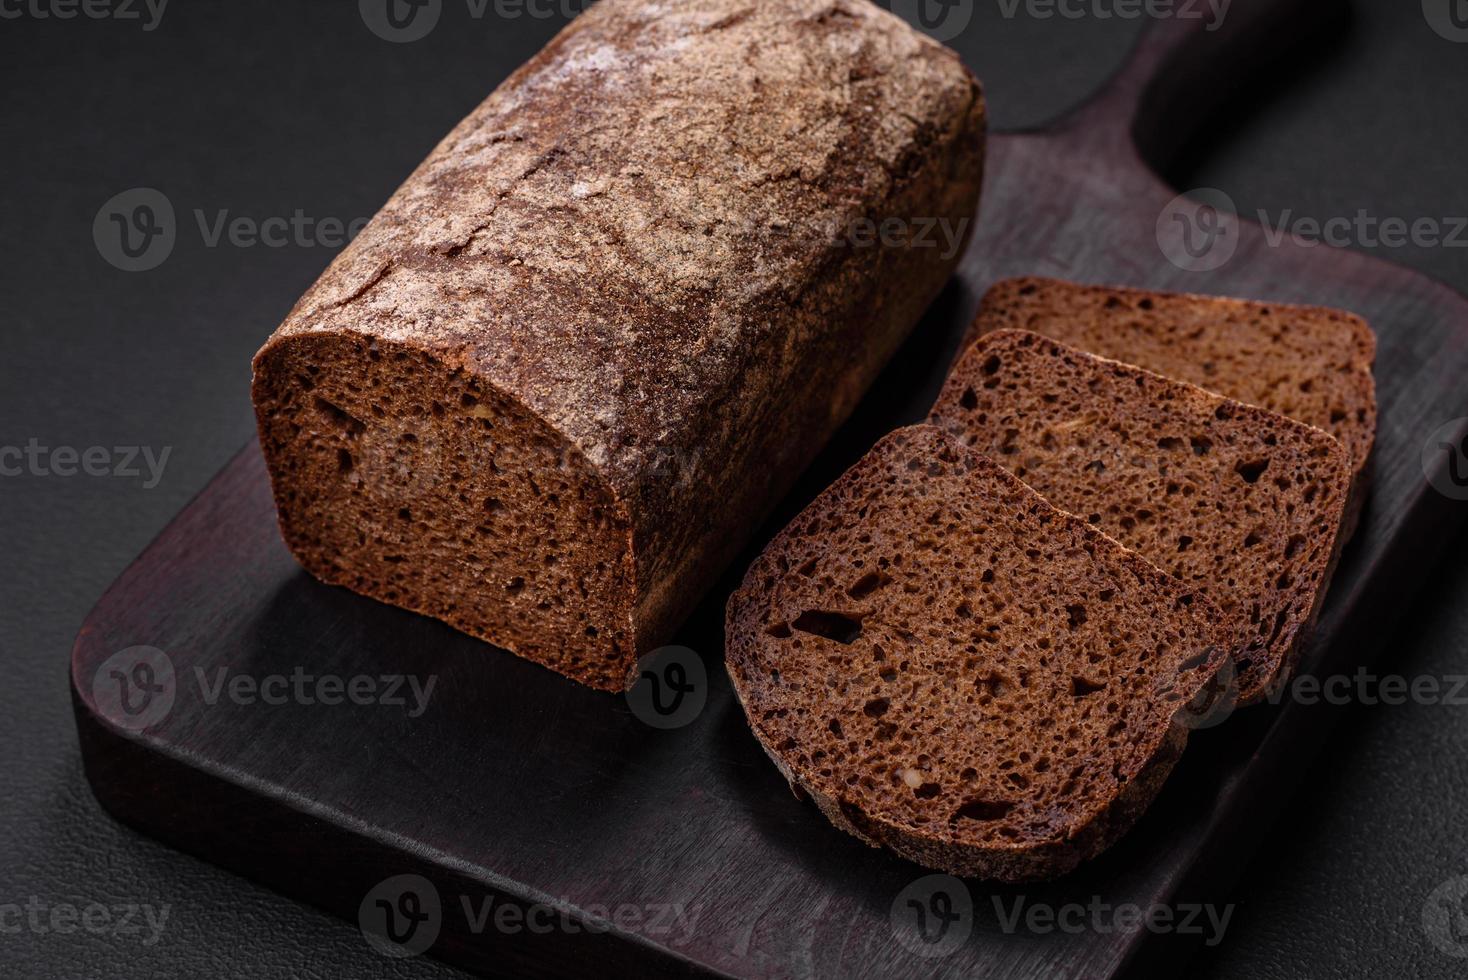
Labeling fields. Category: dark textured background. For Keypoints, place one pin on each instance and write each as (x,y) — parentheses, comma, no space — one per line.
(262,109)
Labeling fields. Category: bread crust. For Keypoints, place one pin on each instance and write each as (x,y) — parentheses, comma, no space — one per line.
(641,240)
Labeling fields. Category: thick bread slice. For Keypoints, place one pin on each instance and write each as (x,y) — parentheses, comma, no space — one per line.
(956,670)
(1240,503)
(1308,362)
(619,290)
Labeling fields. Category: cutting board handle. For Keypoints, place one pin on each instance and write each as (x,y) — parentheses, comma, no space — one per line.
(1186,66)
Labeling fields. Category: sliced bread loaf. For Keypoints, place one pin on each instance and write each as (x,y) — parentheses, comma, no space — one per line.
(956,670)
(610,296)
(1308,362)
(1235,501)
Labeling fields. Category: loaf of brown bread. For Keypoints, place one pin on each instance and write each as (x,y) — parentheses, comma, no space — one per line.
(1239,503)
(956,670)
(551,387)
(1308,362)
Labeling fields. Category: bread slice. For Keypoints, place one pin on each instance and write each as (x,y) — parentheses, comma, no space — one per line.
(1238,502)
(956,670)
(1308,362)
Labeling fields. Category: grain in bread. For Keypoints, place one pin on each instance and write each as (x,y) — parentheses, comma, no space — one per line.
(548,391)
(1240,503)
(956,670)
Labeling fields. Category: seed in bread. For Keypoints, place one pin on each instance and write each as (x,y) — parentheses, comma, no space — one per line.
(956,670)
(1235,501)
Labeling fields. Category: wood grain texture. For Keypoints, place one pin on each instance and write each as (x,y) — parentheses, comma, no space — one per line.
(521,785)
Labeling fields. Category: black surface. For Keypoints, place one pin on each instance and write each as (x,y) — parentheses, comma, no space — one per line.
(263,109)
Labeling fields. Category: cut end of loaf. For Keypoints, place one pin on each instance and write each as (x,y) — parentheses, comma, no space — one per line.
(414,483)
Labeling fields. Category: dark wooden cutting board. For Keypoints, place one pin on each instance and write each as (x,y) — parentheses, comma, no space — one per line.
(518,786)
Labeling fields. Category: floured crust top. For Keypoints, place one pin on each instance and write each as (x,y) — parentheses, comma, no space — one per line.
(621,226)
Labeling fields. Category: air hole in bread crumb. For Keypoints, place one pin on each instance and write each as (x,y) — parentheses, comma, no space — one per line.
(927,791)
(867,584)
(876,707)
(1201,445)
(1251,469)
(832,625)
(969,400)
(982,809)
(1279,622)
(780,631)
(1081,686)
(1195,661)
(993,685)
(991,365)
(350,424)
